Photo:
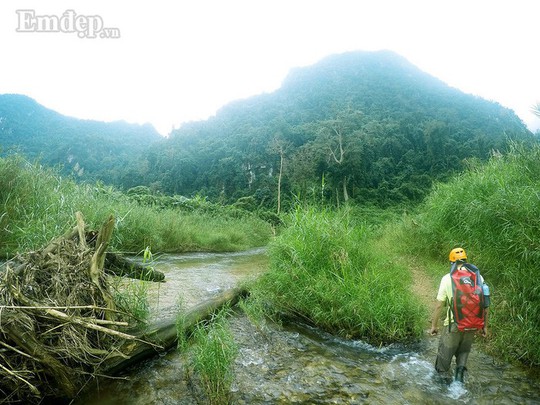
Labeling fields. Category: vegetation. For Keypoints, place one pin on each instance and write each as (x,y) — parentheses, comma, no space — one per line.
(36,204)
(362,126)
(536,109)
(325,270)
(353,272)
(211,359)
(132,296)
(359,129)
(339,269)
(86,149)
(60,322)
(493,211)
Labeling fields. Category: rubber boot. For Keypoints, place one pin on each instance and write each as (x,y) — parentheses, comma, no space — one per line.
(460,373)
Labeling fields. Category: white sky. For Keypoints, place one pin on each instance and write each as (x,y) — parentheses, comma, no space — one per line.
(177,61)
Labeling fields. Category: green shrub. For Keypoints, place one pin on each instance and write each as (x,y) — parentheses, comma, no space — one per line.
(323,269)
(131,297)
(211,360)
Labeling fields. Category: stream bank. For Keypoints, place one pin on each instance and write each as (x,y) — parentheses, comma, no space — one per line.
(298,364)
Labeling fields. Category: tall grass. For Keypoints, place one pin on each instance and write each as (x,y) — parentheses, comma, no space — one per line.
(324,269)
(211,359)
(131,297)
(37,204)
(493,211)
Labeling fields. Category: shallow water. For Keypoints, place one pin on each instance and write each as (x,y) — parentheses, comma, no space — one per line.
(196,277)
(302,365)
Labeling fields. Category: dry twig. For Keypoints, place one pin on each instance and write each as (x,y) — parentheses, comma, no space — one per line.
(58,321)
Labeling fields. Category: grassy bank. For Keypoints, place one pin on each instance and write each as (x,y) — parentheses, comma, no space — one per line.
(36,205)
(493,211)
(325,268)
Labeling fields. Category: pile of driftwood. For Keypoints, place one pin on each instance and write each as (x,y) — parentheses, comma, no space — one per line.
(58,320)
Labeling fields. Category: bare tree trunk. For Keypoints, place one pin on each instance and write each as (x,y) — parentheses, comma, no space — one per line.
(345,193)
(279,179)
(98,262)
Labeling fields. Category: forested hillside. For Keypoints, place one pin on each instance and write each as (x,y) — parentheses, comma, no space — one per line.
(367,126)
(87,149)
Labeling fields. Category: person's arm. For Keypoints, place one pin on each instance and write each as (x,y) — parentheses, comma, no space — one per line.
(485,328)
(436,317)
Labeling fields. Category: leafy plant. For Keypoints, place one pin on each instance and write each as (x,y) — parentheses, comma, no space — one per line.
(212,358)
(131,296)
(325,269)
(36,205)
(536,109)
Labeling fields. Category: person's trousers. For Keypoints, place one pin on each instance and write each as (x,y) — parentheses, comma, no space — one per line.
(453,343)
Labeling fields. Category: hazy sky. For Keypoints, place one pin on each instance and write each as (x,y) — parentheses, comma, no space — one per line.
(177,61)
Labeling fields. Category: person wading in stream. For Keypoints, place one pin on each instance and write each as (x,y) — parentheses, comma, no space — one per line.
(466,295)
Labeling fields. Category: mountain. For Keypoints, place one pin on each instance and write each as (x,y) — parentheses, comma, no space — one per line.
(89,149)
(363,125)
(367,126)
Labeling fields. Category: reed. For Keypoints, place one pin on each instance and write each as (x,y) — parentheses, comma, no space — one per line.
(325,269)
(131,296)
(211,360)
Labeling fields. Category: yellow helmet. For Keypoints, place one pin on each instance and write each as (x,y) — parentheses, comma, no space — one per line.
(457,254)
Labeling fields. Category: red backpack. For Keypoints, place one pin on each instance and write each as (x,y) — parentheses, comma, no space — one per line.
(468,298)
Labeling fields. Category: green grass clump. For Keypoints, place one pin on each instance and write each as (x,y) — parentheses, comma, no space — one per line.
(324,269)
(37,204)
(131,297)
(211,359)
(493,211)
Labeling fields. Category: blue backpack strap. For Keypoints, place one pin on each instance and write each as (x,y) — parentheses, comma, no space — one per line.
(471,267)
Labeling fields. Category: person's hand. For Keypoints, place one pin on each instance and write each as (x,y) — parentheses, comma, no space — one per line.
(433,331)
(484,331)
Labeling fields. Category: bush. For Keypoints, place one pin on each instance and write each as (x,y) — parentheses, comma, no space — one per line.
(323,270)
(493,211)
(211,360)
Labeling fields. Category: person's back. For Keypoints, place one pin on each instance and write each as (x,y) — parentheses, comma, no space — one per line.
(462,291)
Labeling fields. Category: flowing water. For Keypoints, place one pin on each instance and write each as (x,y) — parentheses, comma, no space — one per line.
(302,365)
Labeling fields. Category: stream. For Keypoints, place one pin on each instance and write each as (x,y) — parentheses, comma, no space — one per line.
(299,364)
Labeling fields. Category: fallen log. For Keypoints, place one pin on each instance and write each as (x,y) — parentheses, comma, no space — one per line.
(164,333)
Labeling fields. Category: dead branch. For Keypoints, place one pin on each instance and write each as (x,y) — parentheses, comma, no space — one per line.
(58,320)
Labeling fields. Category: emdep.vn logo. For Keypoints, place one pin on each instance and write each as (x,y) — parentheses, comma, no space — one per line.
(85,26)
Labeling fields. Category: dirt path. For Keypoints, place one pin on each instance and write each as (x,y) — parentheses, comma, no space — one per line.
(422,286)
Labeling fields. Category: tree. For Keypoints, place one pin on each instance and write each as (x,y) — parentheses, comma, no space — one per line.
(338,136)
(280,146)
